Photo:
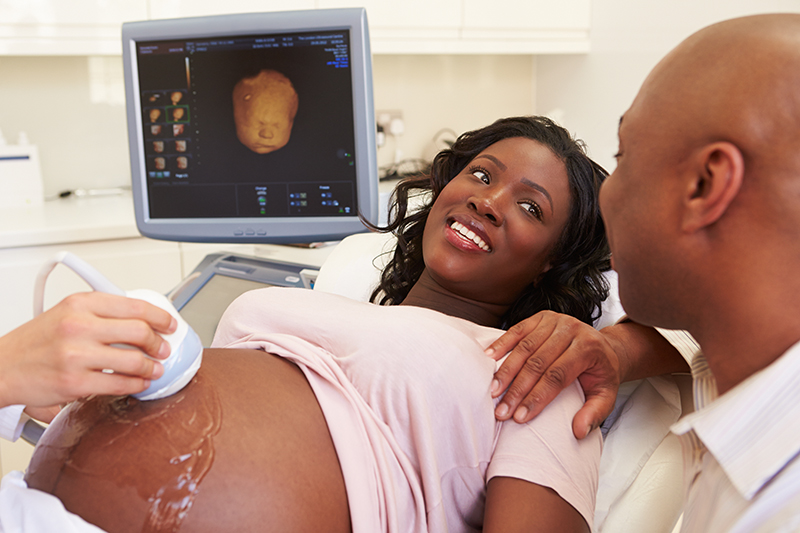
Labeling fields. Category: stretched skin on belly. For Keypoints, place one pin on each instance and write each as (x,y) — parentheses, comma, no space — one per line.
(244,447)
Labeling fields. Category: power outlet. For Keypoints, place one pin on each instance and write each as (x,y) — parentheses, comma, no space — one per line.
(391,121)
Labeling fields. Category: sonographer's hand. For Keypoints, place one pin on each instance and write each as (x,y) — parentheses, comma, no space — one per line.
(61,355)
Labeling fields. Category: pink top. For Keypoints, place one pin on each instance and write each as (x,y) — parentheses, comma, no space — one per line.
(405,393)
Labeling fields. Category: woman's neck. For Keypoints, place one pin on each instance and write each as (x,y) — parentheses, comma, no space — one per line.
(429,294)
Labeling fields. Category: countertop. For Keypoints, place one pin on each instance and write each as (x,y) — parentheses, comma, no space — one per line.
(98,218)
(71,219)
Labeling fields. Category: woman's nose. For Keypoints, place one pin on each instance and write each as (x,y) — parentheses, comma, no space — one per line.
(487,205)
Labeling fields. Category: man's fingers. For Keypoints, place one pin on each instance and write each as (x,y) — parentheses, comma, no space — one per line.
(529,360)
(510,338)
(526,396)
(522,364)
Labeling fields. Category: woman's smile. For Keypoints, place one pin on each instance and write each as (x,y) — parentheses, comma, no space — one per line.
(462,236)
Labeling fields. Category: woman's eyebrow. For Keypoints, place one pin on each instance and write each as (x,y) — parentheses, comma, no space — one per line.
(494,160)
(536,186)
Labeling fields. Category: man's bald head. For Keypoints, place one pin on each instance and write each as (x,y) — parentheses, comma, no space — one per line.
(706,193)
(736,81)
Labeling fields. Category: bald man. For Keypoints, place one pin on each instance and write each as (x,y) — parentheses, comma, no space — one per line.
(703,218)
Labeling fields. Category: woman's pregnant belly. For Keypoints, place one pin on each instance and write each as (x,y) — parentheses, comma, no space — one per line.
(244,447)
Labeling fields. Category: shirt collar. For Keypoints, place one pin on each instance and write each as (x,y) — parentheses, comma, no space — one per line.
(752,430)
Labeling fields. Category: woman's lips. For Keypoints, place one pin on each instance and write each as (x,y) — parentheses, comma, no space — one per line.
(465,233)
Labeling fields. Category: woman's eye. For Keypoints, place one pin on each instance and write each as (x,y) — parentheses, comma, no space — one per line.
(481,175)
(533,208)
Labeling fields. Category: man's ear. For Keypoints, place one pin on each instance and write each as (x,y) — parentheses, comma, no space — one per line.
(717,174)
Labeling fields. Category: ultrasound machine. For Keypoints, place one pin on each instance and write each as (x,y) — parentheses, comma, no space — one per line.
(252,128)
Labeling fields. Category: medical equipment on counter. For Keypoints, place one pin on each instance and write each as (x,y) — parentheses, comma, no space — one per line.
(219,278)
(186,350)
(20,173)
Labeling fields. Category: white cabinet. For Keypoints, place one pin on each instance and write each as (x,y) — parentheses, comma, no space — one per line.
(476,26)
(92,27)
(198,8)
(128,263)
(65,27)
(529,26)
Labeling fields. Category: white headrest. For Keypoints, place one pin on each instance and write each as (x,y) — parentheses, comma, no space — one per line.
(354,267)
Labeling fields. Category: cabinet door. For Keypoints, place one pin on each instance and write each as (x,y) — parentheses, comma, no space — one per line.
(527,26)
(410,27)
(527,15)
(56,27)
(195,8)
(73,12)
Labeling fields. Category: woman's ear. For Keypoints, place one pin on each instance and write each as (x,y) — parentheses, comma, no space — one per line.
(717,174)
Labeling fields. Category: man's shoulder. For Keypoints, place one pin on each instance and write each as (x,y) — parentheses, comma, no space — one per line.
(776,508)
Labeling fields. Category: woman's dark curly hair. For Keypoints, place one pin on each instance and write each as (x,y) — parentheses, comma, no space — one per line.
(574,285)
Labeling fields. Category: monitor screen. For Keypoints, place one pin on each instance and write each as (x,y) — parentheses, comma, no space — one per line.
(251,128)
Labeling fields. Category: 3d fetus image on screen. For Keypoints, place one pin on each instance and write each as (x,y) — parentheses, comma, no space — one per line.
(264,107)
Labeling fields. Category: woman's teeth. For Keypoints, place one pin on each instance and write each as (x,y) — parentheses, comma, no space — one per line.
(469,234)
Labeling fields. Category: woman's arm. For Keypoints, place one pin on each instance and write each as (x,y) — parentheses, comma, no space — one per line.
(514,505)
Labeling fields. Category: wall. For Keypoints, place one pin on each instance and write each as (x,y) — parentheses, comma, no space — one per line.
(628,38)
(455,92)
(72,107)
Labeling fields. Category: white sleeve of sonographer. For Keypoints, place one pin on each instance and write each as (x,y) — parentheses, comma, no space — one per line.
(11,422)
(33,511)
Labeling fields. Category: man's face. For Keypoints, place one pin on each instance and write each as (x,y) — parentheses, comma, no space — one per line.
(637,203)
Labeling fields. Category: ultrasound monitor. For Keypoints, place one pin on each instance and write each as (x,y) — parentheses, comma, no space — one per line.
(252,128)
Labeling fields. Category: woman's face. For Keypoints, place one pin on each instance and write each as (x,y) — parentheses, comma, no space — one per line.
(492,229)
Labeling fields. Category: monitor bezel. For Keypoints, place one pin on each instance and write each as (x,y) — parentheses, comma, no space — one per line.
(251,230)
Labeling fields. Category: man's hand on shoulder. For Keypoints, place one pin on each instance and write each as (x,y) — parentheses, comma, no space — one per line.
(548,351)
